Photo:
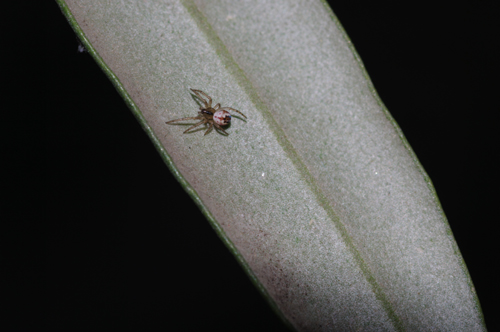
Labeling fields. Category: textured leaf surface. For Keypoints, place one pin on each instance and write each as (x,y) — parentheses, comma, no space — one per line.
(318,193)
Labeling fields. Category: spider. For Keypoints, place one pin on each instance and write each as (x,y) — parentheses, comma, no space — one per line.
(215,116)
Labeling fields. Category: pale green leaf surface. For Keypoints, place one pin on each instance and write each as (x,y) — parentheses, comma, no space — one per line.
(317,194)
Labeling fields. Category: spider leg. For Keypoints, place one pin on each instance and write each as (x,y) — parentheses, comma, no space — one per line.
(200,97)
(207,105)
(216,107)
(196,125)
(182,119)
(209,128)
(231,109)
(220,128)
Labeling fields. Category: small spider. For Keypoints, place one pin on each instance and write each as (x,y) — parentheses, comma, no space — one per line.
(215,116)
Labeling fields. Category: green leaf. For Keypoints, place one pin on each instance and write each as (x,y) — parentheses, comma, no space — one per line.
(317,194)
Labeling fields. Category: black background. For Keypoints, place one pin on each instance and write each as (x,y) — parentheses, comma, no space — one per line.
(100,235)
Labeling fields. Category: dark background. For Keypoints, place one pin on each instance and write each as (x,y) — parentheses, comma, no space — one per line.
(99,225)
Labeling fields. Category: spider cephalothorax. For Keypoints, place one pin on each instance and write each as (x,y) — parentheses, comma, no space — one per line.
(214,116)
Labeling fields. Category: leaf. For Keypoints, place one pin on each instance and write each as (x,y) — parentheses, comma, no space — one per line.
(317,194)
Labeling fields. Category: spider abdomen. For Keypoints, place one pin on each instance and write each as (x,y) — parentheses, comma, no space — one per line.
(222,118)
